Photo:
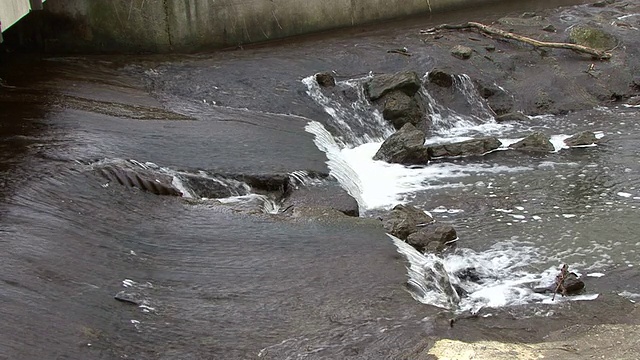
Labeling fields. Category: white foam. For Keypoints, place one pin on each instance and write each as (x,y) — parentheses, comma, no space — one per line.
(624,194)
(595,274)
(377,184)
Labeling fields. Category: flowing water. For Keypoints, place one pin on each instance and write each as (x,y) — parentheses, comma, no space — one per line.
(239,278)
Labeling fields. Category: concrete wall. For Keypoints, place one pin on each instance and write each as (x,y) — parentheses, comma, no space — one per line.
(192,25)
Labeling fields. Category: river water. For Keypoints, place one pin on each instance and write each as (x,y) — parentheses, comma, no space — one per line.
(217,282)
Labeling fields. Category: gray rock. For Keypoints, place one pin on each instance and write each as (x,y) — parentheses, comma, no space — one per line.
(572,285)
(440,78)
(327,194)
(461,52)
(400,108)
(592,37)
(407,81)
(549,28)
(465,148)
(634,101)
(406,146)
(405,220)
(498,99)
(325,79)
(582,138)
(433,238)
(536,142)
(512,116)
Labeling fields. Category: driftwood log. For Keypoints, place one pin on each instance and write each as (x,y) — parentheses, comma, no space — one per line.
(599,54)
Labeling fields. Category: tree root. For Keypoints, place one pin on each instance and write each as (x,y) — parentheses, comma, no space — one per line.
(598,54)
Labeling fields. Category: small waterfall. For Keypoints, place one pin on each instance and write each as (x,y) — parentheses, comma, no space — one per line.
(480,109)
(355,120)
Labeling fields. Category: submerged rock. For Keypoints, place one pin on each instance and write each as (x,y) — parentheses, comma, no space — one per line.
(592,37)
(536,142)
(583,138)
(433,238)
(465,148)
(512,116)
(407,81)
(406,146)
(129,297)
(325,79)
(405,220)
(461,52)
(139,180)
(325,195)
(214,188)
(400,109)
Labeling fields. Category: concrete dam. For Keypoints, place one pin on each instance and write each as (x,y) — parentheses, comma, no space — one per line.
(195,25)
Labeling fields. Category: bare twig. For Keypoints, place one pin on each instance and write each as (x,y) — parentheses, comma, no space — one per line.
(560,281)
(599,54)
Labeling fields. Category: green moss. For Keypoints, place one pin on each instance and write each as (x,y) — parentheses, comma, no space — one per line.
(592,37)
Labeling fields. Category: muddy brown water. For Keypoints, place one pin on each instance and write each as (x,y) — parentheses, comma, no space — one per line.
(219,284)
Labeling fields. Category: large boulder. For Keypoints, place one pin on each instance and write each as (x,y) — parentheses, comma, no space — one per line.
(536,142)
(581,139)
(406,146)
(407,81)
(433,238)
(592,37)
(405,220)
(465,148)
(400,108)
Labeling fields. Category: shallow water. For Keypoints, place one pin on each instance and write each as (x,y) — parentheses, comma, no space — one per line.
(219,283)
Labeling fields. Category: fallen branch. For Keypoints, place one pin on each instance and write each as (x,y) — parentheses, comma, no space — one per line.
(599,54)
(560,282)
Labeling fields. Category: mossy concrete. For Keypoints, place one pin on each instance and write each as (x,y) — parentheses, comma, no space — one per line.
(194,25)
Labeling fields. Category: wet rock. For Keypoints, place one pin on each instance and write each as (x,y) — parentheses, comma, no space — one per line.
(266,182)
(592,37)
(325,79)
(400,108)
(572,284)
(214,188)
(130,297)
(406,146)
(461,52)
(327,194)
(549,28)
(433,238)
(407,81)
(405,220)
(139,180)
(634,101)
(440,78)
(635,83)
(582,138)
(512,116)
(465,148)
(536,142)
(498,100)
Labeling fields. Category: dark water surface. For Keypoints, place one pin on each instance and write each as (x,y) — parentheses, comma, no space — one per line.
(216,284)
